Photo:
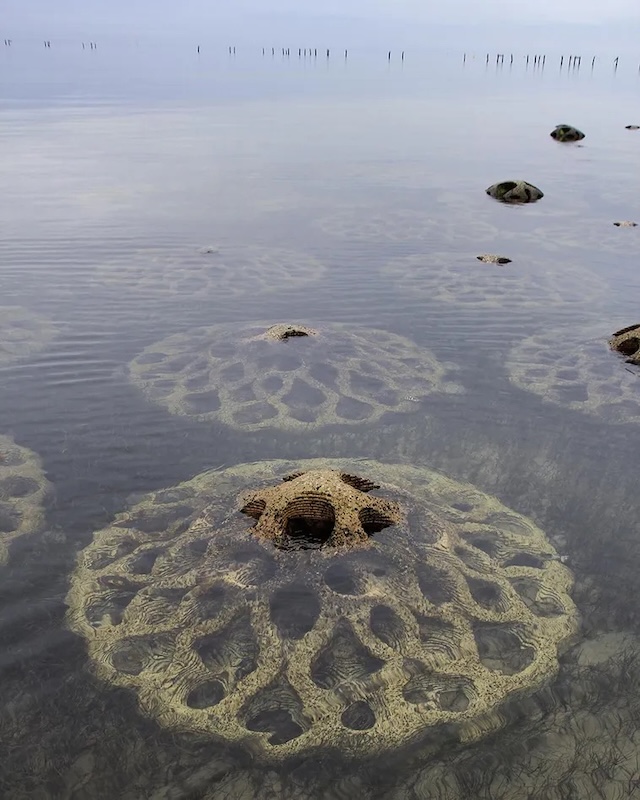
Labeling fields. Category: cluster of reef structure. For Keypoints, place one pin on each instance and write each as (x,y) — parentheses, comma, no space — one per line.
(291,608)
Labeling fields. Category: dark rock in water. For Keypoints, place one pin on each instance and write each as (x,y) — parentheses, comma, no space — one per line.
(490,258)
(515,192)
(632,127)
(627,343)
(566,133)
(626,223)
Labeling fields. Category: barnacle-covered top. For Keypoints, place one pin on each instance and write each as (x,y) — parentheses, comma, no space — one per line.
(353,605)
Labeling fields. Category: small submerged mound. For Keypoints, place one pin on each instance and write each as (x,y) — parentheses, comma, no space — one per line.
(283,331)
(454,277)
(222,272)
(23,492)
(393,601)
(491,258)
(288,376)
(632,127)
(590,234)
(22,333)
(576,368)
(566,133)
(400,226)
(515,192)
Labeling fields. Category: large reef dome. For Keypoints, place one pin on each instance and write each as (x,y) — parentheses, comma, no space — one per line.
(288,606)
(289,376)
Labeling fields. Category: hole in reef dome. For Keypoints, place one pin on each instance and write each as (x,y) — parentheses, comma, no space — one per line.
(254,508)
(308,523)
(291,332)
(340,579)
(525,560)
(359,716)
(277,722)
(628,347)
(207,694)
(373,521)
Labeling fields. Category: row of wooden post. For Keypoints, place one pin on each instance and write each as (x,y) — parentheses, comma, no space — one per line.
(538,60)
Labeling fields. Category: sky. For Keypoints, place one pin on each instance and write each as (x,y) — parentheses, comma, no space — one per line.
(346,20)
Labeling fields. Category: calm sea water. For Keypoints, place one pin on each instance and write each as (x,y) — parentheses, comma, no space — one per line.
(123,156)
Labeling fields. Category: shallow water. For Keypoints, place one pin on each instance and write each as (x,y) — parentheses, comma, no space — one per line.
(119,167)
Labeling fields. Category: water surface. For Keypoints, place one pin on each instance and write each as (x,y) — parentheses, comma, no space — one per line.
(127,156)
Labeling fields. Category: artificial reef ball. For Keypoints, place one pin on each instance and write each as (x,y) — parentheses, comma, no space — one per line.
(297,606)
(289,376)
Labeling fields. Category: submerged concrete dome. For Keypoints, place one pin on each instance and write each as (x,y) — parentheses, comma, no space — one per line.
(289,376)
(574,366)
(170,273)
(291,606)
